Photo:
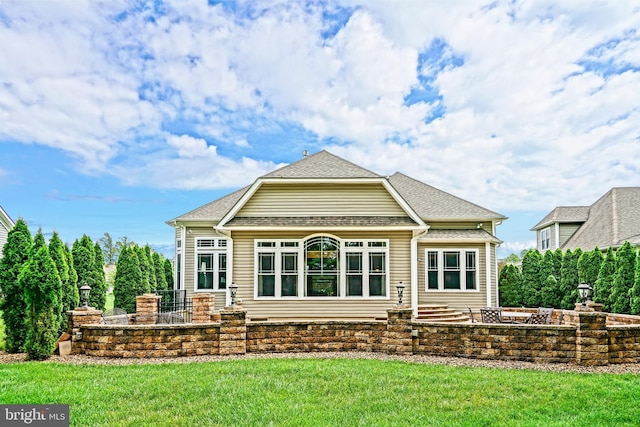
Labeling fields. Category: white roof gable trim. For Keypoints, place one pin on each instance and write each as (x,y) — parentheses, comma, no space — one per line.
(260,181)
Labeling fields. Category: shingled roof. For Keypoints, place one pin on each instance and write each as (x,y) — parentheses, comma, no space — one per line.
(433,204)
(613,219)
(564,214)
(427,201)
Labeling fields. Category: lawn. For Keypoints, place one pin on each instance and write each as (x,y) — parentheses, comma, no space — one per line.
(322,392)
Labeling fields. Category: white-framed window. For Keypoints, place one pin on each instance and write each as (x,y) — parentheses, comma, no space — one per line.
(322,267)
(545,238)
(211,264)
(451,269)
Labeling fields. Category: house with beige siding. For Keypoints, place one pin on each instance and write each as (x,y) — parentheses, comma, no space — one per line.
(325,238)
(610,221)
(6,224)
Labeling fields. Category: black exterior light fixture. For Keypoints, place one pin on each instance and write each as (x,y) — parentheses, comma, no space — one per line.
(400,287)
(585,292)
(233,290)
(85,290)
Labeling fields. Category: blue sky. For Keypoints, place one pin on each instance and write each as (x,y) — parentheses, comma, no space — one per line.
(118,116)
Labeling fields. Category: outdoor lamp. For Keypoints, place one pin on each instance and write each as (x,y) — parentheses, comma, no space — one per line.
(233,290)
(400,287)
(85,290)
(584,290)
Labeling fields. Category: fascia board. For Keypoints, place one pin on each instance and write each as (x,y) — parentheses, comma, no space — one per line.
(337,228)
(403,204)
(239,204)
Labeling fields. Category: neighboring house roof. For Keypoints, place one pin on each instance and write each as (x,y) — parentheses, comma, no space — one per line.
(564,214)
(6,220)
(613,219)
(426,201)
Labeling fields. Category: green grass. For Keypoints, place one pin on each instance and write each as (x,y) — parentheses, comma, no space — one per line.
(108,303)
(322,392)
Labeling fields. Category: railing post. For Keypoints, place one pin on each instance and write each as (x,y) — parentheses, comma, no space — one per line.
(147,308)
(75,320)
(203,307)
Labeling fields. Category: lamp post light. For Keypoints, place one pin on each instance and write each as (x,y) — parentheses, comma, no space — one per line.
(400,287)
(584,290)
(85,290)
(233,290)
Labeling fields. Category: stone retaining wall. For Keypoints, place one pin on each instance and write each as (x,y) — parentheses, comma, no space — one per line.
(533,343)
(589,342)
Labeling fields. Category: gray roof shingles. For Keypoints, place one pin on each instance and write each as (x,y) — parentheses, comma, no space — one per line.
(427,201)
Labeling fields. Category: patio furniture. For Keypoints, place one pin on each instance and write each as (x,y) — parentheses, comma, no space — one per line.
(547,311)
(538,319)
(515,316)
(115,316)
(473,319)
(491,315)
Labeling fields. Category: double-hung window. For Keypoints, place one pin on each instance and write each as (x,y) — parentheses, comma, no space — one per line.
(278,267)
(211,264)
(451,269)
(545,239)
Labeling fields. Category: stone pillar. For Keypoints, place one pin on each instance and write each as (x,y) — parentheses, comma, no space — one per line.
(398,339)
(203,307)
(592,339)
(233,330)
(147,309)
(77,318)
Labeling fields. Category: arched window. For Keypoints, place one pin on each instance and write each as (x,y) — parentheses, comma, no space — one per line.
(322,267)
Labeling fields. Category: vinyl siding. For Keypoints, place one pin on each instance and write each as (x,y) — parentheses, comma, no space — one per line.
(339,308)
(458,300)
(3,237)
(321,200)
(566,231)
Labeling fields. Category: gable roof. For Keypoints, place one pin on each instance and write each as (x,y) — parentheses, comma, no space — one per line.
(613,219)
(6,220)
(426,201)
(564,214)
(433,204)
(322,165)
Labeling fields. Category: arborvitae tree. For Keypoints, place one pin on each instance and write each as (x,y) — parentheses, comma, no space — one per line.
(557,263)
(99,293)
(510,281)
(145,267)
(589,266)
(634,293)
(569,279)
(623,279)
(551,294)
(42,287)
(127,281)
(168,273)
(531,280)
(57,252)
(546,269)
(15,255)
(153,280)
(604,284)
(158,267)
(84,263)
(72,294)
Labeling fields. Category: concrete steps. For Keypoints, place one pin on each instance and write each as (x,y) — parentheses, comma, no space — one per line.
(440,313)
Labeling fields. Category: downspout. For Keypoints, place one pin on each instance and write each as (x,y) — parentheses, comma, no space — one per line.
(227,235)
(414,268)
(487,272)
(183,253)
